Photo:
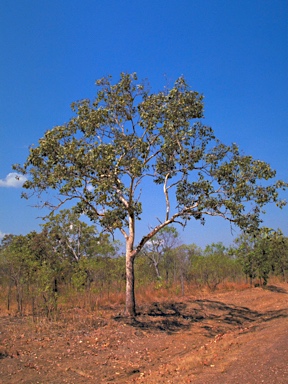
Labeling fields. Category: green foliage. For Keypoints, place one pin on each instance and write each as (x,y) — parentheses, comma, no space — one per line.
(213,267)
(19,266)
(279,254)
(102,157)
(38,266)
(144,271)
(126,134)
(69,236)
(159,250)
(33,272)
(262,253)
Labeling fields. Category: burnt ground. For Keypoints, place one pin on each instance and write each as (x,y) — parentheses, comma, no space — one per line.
(225,337)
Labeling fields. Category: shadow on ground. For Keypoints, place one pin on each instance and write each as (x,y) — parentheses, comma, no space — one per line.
(273,288)
(213,316)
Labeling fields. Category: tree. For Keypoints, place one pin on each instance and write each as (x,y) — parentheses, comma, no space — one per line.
(215,265)
(70,237)
(79,246)
(279,254)
(19,264)
(182,261)
(159,248)
(245,253)
(260,253)
(104,155)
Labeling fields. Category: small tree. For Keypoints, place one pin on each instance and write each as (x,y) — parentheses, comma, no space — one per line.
(69,236)
(127,135)
(78,246)
(215,265)
(256,252)
(19,264)
(159,249)
(279,254)
(182,264)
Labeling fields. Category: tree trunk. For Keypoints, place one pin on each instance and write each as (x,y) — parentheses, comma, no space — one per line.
(55,286)
(284,275)
(130,294)
(157,270)
(182,283)
(9,295)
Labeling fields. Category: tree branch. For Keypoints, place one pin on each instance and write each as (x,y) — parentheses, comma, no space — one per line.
(166,197)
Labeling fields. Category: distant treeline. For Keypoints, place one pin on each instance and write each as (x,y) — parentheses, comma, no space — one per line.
(40,270)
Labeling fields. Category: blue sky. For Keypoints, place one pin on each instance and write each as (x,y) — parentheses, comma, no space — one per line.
(234,52)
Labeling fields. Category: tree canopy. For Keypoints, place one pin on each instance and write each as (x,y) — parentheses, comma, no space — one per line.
(127,134)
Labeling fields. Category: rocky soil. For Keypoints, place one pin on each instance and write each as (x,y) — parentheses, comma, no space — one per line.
(224,337)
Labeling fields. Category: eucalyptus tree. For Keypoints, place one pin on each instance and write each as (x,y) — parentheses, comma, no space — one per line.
(69,236)
(80,249)
(159,248)
(216,265)
(258,253)
(104,155)
(279,254)
(18,264)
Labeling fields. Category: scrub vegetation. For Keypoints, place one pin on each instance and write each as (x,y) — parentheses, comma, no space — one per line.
(70,264)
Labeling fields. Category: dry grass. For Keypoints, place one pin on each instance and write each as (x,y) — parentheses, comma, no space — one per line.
(83,304)
(176,340)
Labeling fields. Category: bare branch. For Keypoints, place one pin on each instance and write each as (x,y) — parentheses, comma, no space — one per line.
(166,197)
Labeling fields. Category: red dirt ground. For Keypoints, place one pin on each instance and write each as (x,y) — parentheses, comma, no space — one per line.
(225,337)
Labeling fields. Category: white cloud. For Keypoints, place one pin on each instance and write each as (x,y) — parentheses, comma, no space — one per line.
(2,235)
(13,180)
